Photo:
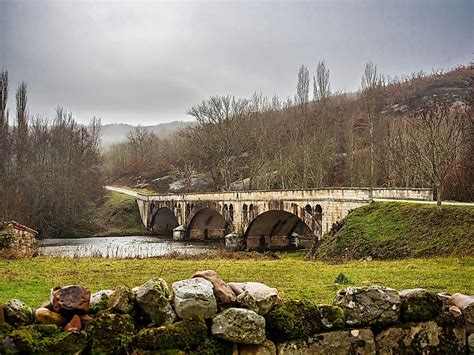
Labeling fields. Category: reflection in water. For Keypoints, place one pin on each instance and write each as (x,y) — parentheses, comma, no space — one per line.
(121,247)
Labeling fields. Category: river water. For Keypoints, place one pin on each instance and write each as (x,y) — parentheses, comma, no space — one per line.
(122,247)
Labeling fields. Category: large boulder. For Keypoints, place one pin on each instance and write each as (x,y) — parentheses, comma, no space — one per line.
(45,316)
(225,297)
(194,298)
(17,313)
(239,325)
(356,341)
(184,334)
(70,299)
(255,296)
(369,305)
(153,299)
(110,333)
(47,339)
(421,338)
(122,300)
(419,305)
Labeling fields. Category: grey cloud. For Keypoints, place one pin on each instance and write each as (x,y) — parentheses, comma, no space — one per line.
(148,62)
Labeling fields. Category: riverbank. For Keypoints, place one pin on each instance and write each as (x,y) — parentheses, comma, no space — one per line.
(30,279)
(393,230)
(114,215)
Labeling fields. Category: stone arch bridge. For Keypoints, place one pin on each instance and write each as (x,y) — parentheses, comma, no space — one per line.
(266,219)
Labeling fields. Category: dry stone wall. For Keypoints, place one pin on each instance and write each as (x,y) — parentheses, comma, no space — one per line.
(206,315)
(17,241)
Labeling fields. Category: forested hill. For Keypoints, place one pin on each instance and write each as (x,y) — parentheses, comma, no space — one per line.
(117,132)
(309,141)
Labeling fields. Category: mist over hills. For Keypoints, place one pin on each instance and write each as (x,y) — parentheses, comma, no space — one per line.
(117,132)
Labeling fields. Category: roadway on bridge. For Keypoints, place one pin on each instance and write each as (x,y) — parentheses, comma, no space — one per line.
(133,193)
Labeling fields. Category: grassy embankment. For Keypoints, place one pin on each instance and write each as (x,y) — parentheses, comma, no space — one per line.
(31,279)
(385,230)
(114,215)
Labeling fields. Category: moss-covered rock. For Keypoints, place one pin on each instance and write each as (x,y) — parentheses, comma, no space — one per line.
(122,300)
(47,339)
(292,320)
(419,305)
(153,299)
(110,333)
(331,317)
(99,301)
(180,335)
(212,346)
(17,313)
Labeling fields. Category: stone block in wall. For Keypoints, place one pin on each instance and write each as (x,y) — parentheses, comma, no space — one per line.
(421,338)
(369,305)
(419,305)
(355,341)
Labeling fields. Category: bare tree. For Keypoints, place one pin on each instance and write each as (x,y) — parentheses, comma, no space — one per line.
(371,81)
(220,133)
(302,88)
(22,128)
(435,138)
(321,85)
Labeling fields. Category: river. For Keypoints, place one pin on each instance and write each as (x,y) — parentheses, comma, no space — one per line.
(122,247)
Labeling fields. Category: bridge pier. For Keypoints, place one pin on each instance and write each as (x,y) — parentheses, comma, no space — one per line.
(266,219)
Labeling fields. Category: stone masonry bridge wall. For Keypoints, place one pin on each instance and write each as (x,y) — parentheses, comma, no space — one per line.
(253,214)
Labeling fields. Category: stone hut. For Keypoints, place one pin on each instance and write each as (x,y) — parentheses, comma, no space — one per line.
(17,241)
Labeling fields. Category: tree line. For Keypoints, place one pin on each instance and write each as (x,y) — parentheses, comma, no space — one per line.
(49,168)
(324,139)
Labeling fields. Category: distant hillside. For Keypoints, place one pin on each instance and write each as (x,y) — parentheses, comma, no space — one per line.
(399,230)
(117,132)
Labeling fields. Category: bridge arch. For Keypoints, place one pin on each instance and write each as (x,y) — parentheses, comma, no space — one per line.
(207,222)
(163,221)
(281,228)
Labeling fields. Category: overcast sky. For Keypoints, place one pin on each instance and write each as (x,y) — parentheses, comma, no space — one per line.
(149,62)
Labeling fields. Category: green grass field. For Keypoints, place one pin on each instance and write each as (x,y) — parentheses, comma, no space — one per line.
(31,279)
(388,230)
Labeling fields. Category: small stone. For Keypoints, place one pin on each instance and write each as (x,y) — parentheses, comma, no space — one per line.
(100,296)
(331,317)
(194,298)
(45,316)
(17,313)
(153,299)
(256,296)
(239,325)
(466,305)
(74,324)
(370,305)
(266,348)
(47,304)
(225,297)
(419,305)
(121,300)
(470,343)
(70,299)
